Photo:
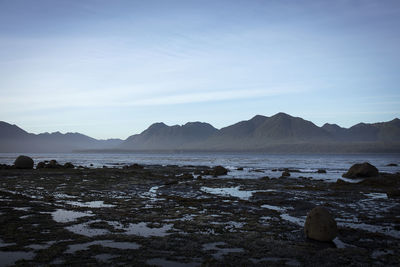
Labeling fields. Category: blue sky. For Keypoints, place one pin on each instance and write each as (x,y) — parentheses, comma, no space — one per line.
(112,68)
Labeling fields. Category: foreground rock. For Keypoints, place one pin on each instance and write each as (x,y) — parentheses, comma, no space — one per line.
(23,162)
(320,225)
(393,193)
(361,170)
(219,170)
(215,171)
(53,164)
(134,166)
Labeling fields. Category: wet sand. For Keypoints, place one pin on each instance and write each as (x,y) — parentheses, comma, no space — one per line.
(168,216)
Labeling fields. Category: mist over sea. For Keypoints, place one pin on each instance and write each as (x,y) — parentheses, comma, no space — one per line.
(255,165)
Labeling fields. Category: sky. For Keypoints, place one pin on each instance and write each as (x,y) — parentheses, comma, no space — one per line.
(109,69)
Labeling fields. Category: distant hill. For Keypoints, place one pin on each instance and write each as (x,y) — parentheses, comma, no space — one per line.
(280,133)
(260,132)
(160,136)
(14,139)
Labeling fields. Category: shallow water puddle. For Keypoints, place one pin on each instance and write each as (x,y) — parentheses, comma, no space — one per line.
(295,220)
(86,230)
(340,244)
(152,193)
(64,216)
(105,243)
(62,195)
(386,230)
(22,208)
(276,208)
(2,244)
(41,246)
(376,195)
(90,204)
(8,258)
(220,252)
(285,216)
(231,191)
(142,229)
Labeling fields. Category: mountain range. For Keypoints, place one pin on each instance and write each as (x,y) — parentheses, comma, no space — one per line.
(280,133)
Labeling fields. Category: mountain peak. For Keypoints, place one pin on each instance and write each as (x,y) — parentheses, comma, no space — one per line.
(281,115)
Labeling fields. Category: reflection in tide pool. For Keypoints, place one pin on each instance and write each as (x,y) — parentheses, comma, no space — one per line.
(65,216)
(232,191)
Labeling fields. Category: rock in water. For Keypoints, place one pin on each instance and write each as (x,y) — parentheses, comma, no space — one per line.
(41,165)
(392,165)
(23,162)
(285,174)
(219,170)
(320,225)
(69,165)
(361,170)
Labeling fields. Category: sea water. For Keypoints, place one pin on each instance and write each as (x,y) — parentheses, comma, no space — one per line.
(255,165)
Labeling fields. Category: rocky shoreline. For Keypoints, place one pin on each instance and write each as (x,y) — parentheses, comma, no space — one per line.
(188,216)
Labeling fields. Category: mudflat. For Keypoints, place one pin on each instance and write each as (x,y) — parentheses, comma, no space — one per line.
(181,216)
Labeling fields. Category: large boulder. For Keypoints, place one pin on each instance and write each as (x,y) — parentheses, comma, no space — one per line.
(361,170)
(23,162)
(320,225)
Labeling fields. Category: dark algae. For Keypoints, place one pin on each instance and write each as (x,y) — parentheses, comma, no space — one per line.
(166,215)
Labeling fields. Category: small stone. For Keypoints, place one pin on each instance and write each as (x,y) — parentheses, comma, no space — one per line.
(41,165)
(321,171)
(285,174)
(23,162)
(320,225)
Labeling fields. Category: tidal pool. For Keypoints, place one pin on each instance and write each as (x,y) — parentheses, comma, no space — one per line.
(65,216)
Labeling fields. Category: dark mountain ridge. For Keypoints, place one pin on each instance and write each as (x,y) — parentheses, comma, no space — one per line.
(14,139)
(280,133)
(160,136)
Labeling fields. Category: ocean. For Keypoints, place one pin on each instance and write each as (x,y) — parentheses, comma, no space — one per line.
(255,165)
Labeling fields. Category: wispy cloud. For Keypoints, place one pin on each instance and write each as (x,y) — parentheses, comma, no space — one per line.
(105,100)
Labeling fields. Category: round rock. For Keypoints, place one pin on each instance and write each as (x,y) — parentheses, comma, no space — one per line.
(23,162)
(320,225)
(361,170)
